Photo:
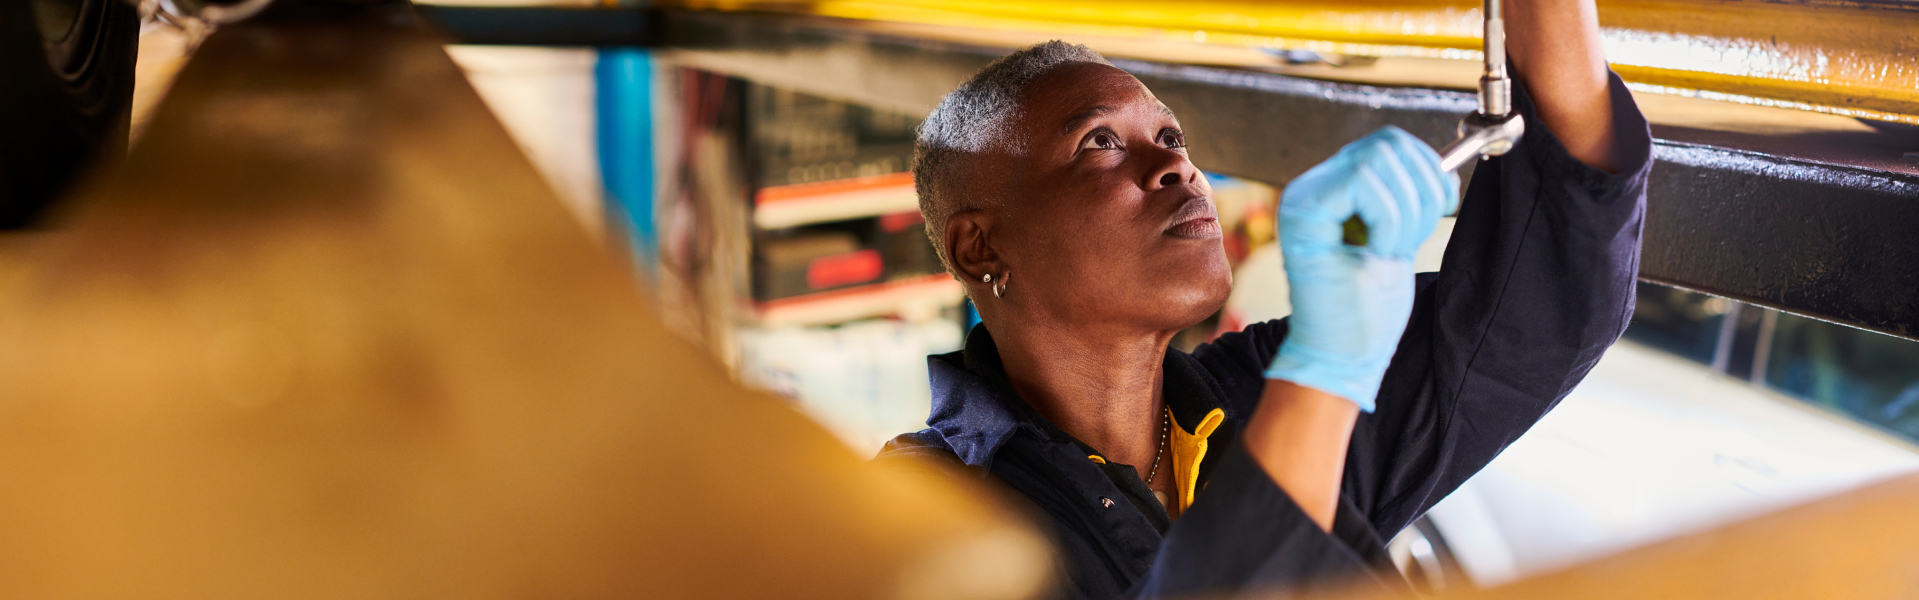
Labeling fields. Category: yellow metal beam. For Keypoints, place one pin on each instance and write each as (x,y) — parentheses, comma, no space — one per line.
(1846,58)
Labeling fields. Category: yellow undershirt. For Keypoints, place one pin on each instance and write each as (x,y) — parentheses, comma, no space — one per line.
(1189,449)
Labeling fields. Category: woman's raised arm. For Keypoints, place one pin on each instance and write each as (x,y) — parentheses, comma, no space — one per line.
(1350,305)
(1555,47)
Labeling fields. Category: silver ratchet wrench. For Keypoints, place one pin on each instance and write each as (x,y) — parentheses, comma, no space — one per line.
(1490,131)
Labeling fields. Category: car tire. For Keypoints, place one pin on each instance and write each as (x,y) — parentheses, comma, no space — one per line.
(66,84)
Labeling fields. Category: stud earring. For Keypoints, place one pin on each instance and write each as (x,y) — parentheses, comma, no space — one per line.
(987,278)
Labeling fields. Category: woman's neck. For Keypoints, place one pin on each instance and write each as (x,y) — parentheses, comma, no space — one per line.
(1101,387)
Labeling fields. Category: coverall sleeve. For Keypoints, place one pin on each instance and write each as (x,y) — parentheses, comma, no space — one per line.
(1537,282)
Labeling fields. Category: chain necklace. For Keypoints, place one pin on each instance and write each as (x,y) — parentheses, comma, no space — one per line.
(1165,431)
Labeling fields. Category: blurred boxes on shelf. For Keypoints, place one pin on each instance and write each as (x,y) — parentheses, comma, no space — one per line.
(848,294)
(793,234)
(837,233)
(800,138)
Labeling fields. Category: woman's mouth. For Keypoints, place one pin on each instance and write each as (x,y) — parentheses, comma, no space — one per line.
(1196,228)
(1196,220)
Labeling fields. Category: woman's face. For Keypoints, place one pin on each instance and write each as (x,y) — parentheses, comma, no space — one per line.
(1108,222)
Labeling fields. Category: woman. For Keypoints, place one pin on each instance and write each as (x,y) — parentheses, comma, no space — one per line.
(1058,190)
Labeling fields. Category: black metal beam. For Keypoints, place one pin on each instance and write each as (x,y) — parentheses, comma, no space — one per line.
(1272,127)
(1833,242)
(1830,241)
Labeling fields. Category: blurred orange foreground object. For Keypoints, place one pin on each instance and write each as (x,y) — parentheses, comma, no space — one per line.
(1861,545)
(326,334)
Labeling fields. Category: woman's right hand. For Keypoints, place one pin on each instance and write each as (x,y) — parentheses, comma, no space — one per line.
(1350,303)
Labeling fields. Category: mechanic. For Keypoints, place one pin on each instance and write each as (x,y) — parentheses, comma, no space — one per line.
(1058,190)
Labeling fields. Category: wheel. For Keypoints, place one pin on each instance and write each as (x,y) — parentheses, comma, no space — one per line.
(1422,555)
(66,82)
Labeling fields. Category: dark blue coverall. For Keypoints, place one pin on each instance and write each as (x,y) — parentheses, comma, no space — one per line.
(1536,283)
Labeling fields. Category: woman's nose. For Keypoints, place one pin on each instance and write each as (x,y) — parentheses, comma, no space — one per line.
(1173,169)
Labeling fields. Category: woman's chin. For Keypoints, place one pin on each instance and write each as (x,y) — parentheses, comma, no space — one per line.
(1204,281)
(1197,300)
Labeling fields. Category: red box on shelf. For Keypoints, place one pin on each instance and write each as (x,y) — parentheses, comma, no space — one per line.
(843,269)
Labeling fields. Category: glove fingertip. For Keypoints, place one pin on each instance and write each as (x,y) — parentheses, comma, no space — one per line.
(1391,132)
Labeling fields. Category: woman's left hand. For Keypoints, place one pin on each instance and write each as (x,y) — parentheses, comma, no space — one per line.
(1350,304)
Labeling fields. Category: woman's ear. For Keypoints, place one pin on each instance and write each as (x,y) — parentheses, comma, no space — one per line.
(969,245)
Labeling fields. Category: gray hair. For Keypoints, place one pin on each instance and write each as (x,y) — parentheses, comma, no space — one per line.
(973,120)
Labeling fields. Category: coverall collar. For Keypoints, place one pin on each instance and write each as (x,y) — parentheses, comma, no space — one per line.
(976,410)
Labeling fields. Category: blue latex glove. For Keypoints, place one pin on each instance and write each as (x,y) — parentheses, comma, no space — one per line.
(1350,304)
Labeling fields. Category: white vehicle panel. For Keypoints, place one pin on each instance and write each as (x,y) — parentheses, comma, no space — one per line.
(1648,447)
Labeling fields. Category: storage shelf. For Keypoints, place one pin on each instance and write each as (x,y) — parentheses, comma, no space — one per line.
(780,207)
(871,300)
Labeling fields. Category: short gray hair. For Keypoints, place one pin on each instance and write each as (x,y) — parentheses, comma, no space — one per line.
(971,121)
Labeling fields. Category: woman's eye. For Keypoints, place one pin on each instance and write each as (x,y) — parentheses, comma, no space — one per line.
(1100,140)
(1172,138)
